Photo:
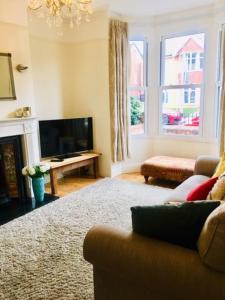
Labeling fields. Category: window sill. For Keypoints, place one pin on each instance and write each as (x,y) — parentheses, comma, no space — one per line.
(140,136)
(190,139)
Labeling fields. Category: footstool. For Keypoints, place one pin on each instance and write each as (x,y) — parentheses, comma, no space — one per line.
(169,168)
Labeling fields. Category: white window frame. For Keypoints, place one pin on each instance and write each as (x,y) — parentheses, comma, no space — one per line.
(219,79)
(146,84)
(185,86)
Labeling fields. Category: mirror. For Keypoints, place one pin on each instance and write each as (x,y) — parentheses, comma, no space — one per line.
(7,87)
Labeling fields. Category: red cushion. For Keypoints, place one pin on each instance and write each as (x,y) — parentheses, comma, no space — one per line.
(201,191)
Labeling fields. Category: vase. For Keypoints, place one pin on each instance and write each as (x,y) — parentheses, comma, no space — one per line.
(38,185)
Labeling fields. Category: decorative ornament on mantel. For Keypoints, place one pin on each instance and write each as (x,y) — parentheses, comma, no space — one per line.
(56,12)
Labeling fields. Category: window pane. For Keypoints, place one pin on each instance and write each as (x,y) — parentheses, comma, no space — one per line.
(186,96)
(137,103)
(137,63)
(184,59)
(137,85)
(201,61)
(180,115)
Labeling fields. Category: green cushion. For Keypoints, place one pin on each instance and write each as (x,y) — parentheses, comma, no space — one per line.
(179,224)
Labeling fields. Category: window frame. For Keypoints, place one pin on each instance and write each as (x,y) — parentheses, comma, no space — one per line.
(163,87)
(219,83)
(144,88)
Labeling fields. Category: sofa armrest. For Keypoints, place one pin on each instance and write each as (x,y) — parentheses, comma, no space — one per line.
(134,254)
(206,165)
(130,266)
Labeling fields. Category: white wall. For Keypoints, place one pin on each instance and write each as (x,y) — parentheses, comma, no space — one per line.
(15,39)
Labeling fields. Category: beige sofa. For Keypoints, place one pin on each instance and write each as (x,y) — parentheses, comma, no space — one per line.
(204,168)
(130,266)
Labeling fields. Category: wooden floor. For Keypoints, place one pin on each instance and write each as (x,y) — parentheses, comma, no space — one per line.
(73,183)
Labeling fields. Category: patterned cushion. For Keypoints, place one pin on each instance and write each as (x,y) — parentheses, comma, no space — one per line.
(211,243)
(170,168)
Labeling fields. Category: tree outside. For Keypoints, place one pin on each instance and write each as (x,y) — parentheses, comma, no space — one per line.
(137,111)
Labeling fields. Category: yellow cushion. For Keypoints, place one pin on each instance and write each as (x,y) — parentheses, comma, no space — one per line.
(218,190)
(221,167)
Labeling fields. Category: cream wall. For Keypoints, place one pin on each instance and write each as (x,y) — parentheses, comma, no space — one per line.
(13,11)
(50,64)
(71,77)
(89,93)
(15,40)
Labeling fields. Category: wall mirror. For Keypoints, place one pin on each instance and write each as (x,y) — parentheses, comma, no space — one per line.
(7,87)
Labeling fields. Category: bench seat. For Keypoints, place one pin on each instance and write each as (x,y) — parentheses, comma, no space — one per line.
(168,168)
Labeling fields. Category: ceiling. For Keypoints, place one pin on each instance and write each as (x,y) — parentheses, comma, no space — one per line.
(139,8)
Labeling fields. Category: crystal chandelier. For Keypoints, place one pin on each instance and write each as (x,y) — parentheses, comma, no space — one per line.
(58,11)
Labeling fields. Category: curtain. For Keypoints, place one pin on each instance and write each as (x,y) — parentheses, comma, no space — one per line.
(118,70)
(222,96)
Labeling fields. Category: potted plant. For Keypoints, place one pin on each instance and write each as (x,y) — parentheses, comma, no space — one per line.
(37,174)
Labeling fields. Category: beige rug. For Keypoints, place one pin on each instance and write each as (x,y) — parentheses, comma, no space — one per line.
(41,252)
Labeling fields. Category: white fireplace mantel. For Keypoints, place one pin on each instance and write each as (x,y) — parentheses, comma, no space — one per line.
(27,128)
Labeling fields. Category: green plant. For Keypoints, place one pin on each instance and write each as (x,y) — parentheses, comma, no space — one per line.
(136,111)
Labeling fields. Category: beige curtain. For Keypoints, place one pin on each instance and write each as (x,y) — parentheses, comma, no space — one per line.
(222,97)
(118,69)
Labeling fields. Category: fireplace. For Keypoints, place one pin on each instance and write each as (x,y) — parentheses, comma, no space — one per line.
(12,183)
(19,146)
(23,133)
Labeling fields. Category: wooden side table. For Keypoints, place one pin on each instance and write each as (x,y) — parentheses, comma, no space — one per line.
(86,159)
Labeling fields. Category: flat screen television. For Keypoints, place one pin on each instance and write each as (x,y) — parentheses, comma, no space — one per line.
(60,138)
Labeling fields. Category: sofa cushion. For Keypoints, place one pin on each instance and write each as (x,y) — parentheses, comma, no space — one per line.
(218,190)
(201,191)
(221,166)
(179,224)
(181,192)
(211,243)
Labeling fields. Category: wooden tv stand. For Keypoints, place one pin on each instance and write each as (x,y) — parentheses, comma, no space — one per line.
(69,164)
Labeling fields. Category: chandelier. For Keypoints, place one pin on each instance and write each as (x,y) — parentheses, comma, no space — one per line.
(58,11)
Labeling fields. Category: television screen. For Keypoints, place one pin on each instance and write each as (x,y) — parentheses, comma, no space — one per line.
(59,137)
